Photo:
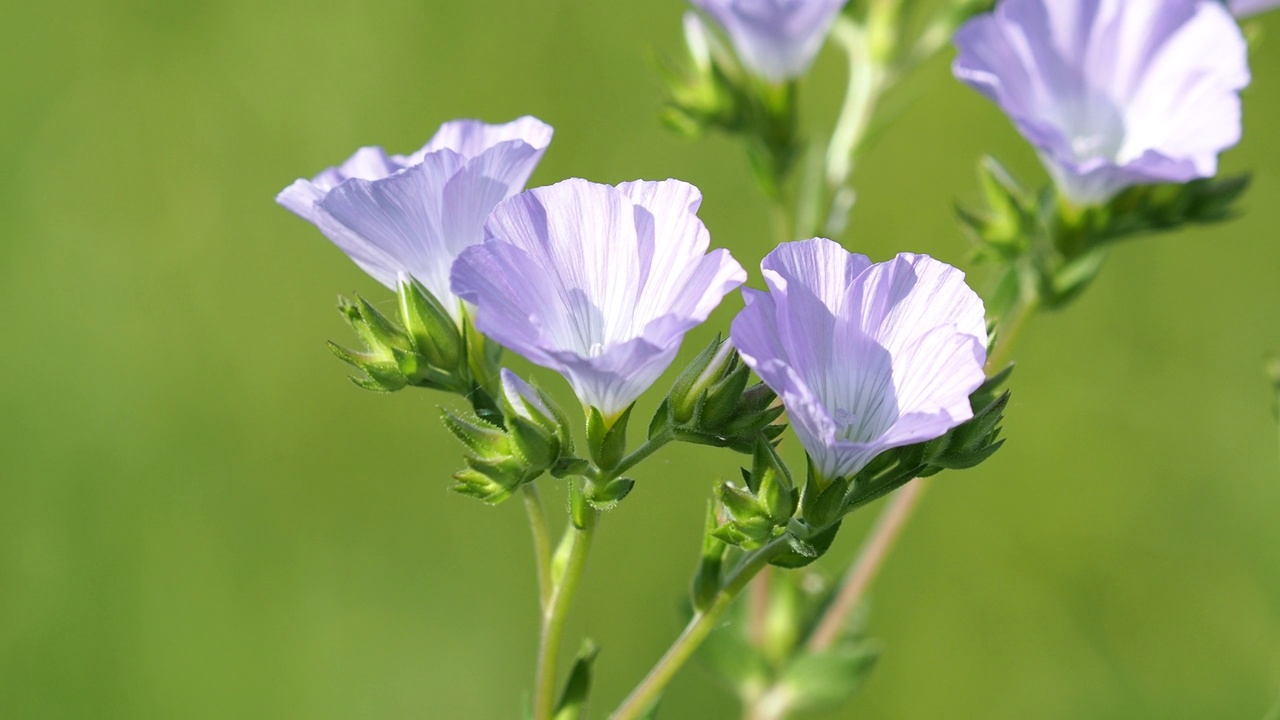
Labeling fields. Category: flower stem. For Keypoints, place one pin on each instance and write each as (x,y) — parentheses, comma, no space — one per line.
(647,692)
(635,457)
(564,585)
(866,84)
(1009,330)
(875,549)
(541,541)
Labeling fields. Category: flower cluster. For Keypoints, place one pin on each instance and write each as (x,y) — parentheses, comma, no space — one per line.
(601,283)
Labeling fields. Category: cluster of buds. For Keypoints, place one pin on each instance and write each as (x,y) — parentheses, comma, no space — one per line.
(768,506)
(710,403)
(532,439)
(761,508)
(425,349)
(1052,249)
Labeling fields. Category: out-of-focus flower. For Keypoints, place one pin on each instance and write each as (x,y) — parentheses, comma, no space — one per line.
(1245,8)
(413,214)
(775,39)
(1112,93)
(599,283)
(866,357)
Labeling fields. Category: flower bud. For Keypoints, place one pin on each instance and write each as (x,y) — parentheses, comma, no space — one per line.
(710,403)
(689,391)
(762,510)
(538,428)
(500,460)
(434,333)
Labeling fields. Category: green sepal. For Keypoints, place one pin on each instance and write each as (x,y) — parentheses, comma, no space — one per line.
(771,482)
(608,496)
(428,324)
(607,443)
(751,526)
(573,700)
(817,543)
(724,396)
(976,440)
(822,506)
(533,443)
(482,358)
(377,331)
(485,440)
(569,467)
(662,420)
(381,376)
(740,504)
(579,508)
(479,485)
(691,383)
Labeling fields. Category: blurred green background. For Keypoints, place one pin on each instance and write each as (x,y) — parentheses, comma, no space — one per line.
(201,518)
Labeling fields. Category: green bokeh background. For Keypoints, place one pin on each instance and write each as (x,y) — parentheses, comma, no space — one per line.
(201,518)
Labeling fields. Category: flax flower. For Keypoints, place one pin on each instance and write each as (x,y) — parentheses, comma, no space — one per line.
(1112,93)
(599,283)
(397,215)
(775,39)
(866,357)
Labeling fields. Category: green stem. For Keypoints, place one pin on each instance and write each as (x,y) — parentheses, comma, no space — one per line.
(638,455)
(1009,330)
(541,541)
(866,84)
(564,586)
(646,693)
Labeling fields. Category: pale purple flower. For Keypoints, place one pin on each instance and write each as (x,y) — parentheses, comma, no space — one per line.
(1112,93)
(1245,8)
(599,283)
(411,215)
(775,39)
(865,357)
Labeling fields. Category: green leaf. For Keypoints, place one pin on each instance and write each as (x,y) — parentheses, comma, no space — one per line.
(819,544)
(435,335)
(573,700)
(607,443)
